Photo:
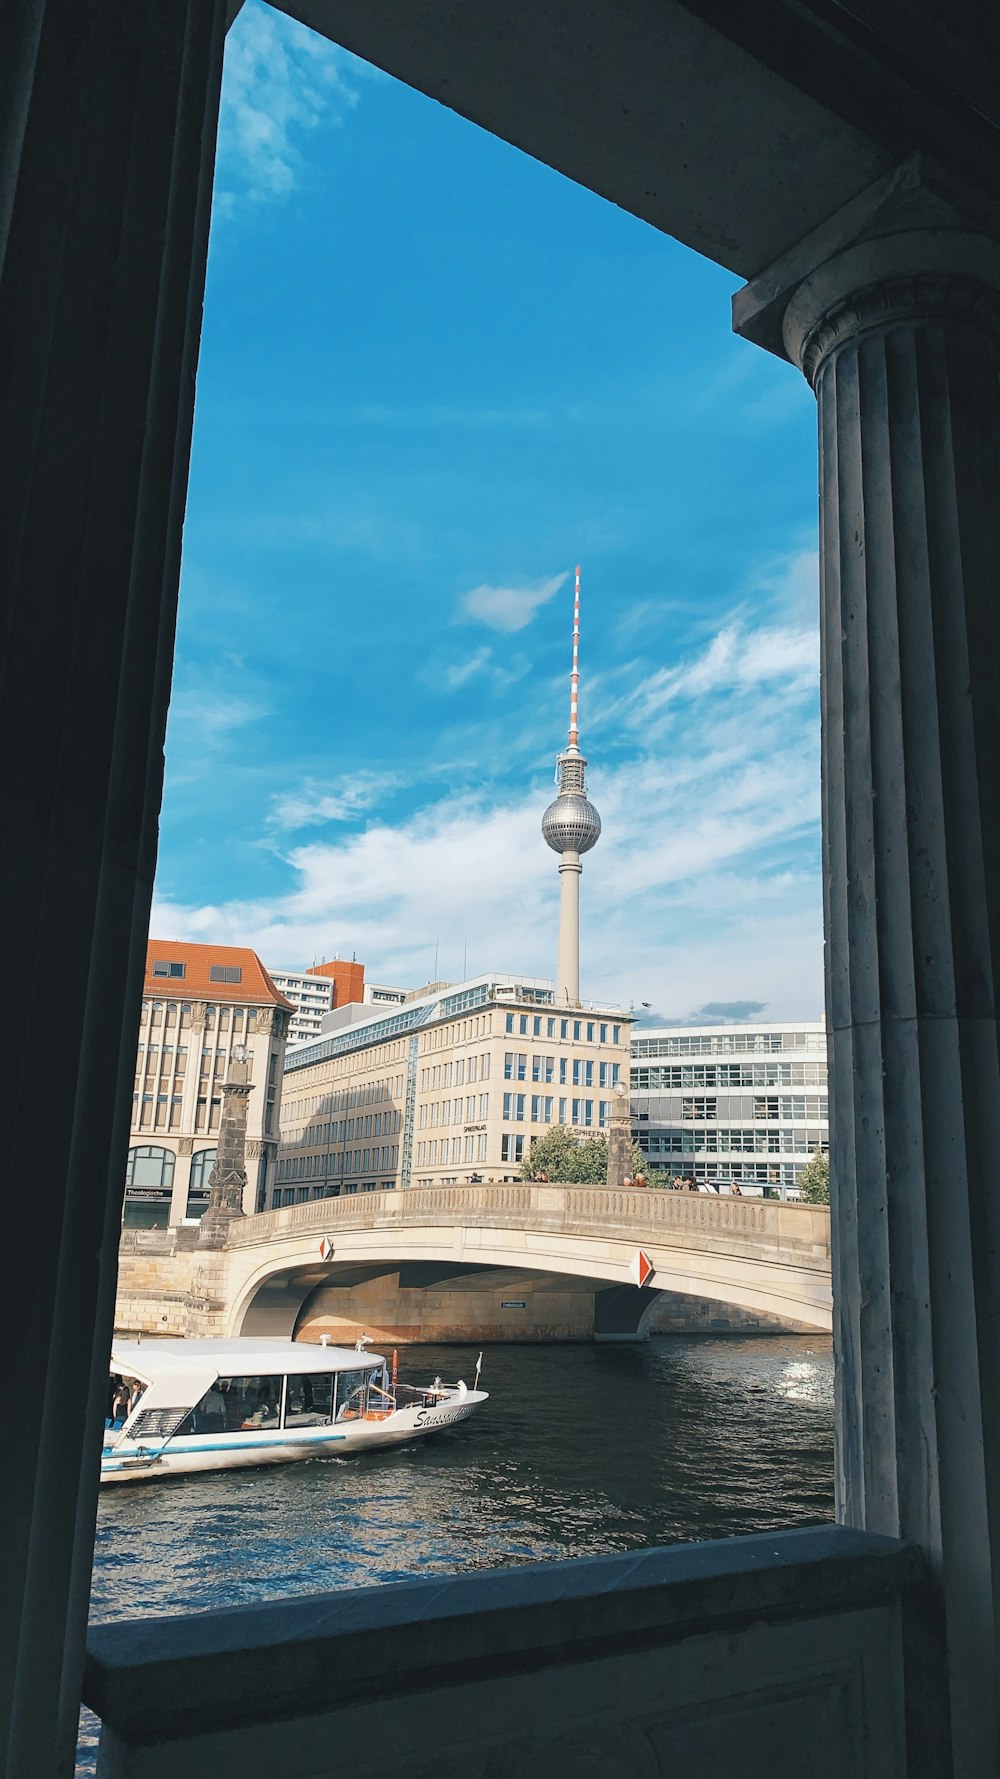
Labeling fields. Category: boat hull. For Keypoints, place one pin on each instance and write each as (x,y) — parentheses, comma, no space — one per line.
(126,1461)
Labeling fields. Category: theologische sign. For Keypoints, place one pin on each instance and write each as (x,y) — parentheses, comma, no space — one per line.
(512,1303)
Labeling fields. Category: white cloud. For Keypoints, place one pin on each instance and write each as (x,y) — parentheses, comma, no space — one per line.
(314,804)
(280,81)
(704,888)
(695,893)
(510,608)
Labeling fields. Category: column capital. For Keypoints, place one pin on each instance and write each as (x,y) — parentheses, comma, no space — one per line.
(904,247)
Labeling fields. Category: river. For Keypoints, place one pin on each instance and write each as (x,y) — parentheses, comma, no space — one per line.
(580,1450)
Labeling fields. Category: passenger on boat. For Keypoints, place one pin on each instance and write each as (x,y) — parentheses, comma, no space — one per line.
(119,1405)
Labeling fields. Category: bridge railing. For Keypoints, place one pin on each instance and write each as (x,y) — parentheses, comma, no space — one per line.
(651,1215)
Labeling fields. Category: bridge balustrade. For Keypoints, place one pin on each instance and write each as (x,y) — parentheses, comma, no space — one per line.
(645,1214)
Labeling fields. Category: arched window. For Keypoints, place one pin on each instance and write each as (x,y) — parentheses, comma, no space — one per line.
(150,1166)
(149,1179)
(202,1163)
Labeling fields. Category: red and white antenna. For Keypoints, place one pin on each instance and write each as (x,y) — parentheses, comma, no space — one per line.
(574,678)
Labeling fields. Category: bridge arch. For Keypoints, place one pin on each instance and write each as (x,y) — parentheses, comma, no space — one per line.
(768,1259)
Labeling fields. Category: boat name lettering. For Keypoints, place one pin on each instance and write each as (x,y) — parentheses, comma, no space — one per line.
(439,1417)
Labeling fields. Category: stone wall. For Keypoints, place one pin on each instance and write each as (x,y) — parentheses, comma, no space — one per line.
(166,1286)
(552,1310)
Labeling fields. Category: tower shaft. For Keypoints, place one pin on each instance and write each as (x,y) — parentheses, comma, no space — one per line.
(568,964)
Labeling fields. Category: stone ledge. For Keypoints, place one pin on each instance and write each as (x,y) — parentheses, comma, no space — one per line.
(163,1678)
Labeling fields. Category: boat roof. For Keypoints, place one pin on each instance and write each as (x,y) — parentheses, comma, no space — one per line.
(153,1360)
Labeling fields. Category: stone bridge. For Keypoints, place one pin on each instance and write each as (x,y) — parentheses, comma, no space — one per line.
(563,1255)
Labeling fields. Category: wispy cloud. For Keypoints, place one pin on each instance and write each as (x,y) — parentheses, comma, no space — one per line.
(315,804)
(280,81)
(510,608)
(460,671)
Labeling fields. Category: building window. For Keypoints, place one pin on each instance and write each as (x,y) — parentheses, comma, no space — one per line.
(149,1166)
(225,973)
(202,1163)
(701,1107)
(512,1148)
(513,1107)
(166,967)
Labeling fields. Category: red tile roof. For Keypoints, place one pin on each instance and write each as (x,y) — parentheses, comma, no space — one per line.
(254,988)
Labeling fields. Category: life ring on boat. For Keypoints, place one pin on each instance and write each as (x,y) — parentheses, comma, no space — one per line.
(378,1414)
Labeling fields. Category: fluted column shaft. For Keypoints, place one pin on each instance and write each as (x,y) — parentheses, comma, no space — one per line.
(106,156)
(906,377)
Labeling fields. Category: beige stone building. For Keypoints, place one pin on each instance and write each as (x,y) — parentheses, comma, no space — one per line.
(199,1003)
(452,1085)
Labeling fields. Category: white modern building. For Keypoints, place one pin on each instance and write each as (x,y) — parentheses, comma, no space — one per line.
(723,1104)
(453,1085)
(311,996)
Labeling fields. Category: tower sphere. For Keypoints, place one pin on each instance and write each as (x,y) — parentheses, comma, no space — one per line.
(571,823)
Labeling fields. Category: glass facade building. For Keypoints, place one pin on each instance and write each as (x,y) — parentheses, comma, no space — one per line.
(731,1104)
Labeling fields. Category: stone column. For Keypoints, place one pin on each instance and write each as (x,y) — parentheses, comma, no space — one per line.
(620,1136)
(900,338)
(228,1179)
(105,178)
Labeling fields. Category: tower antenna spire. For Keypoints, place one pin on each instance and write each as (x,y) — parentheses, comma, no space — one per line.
(574,678)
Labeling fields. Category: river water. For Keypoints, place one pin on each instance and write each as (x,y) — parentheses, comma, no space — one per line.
(580,1450)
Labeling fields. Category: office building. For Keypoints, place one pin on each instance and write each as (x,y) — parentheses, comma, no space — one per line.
(310,994)
(199,1004)
(724,1104)
(455,1083)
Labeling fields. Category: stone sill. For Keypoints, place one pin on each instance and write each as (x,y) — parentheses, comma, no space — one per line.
(158,1679)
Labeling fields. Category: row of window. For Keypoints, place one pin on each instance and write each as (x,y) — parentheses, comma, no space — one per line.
(345,1130)
(177,971)
(457,1111)
(786,1105)
(346,1099)
(738,1140)
(578,1071)
(452,1150)
(581,1111)
(730,1044)
(300,1195)
(178,1013)
(455,1074)
(730,1074)
(537,1026)
(380,1159)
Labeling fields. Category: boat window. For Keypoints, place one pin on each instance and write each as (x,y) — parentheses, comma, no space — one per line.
(352,1389)
(235,1403)
(310,1400)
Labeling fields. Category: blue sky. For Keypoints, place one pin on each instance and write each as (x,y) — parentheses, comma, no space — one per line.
(434,376)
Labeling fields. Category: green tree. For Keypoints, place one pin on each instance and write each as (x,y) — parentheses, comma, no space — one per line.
(577,1161)
(814,1180)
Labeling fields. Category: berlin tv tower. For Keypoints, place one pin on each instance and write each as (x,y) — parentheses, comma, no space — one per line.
(571,826)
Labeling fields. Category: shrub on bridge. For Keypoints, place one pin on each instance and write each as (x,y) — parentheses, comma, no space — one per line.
(576,1161)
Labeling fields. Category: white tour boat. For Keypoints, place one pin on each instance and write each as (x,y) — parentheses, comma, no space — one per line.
(182,1405)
